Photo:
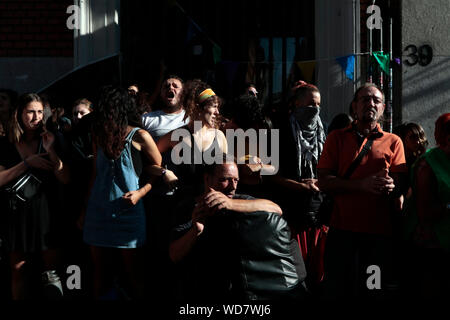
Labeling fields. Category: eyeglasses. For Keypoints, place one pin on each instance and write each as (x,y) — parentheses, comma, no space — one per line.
(367,99)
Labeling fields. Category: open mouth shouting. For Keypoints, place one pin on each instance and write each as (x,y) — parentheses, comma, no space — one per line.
(170,95)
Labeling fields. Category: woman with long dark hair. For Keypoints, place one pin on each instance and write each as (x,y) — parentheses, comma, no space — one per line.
(115,216)
(29,219)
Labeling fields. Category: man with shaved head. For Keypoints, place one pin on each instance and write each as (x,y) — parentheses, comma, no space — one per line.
(235,246)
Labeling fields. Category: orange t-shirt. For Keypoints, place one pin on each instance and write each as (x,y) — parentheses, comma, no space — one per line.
(359,211)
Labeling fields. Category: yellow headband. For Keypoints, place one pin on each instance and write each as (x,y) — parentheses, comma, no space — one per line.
(205,94)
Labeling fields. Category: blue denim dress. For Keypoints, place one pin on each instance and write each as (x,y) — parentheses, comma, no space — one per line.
(109,221)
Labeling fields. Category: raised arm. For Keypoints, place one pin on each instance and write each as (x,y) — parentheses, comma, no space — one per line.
(181,247)
(61,170)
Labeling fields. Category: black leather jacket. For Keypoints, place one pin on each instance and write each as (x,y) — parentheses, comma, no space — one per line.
(243,256)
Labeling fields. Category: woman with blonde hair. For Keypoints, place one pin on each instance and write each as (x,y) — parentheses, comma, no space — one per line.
(29,153)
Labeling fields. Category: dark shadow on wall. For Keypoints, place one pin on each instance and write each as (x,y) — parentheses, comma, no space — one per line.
(155,31)
(431,91)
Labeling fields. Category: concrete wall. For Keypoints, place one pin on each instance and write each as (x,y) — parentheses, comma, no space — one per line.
(337,34)
(426,89)
(99,33)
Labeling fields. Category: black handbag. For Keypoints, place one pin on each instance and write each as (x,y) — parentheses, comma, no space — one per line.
(25,188)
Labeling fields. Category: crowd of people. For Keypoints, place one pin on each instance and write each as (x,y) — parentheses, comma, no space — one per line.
(121,189)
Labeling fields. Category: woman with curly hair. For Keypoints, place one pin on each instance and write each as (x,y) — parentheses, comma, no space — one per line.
(201,137)
(203,105)
(115,216)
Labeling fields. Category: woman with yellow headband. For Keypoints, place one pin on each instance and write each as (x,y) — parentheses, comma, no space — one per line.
(202,107)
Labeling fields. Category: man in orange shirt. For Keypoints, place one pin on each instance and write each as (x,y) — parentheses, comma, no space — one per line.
(360,233)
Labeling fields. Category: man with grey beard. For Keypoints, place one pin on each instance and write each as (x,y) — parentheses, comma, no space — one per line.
(358,254)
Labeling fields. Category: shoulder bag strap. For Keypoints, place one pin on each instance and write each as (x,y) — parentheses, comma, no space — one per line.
(361,155)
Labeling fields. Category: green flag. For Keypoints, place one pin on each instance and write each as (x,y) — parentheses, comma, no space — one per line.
(383,60)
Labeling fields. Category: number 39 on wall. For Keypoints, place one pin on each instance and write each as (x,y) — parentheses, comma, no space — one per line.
(423,55)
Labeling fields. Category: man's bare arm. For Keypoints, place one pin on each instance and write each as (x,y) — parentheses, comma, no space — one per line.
(181,247)
(219,201)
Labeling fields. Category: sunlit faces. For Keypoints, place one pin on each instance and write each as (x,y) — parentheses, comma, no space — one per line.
(171,92)
(32,115)
(310,99)
(79,112)
(225,179)
(369,105)
(210,114)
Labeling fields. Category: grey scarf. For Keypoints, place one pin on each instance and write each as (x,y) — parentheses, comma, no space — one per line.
(309,136)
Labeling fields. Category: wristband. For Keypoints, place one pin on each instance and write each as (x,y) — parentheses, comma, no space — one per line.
(26,163)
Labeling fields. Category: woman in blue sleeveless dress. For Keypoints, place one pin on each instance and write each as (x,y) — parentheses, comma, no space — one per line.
(114,224)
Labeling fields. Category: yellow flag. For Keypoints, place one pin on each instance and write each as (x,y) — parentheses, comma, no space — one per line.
(307,69)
